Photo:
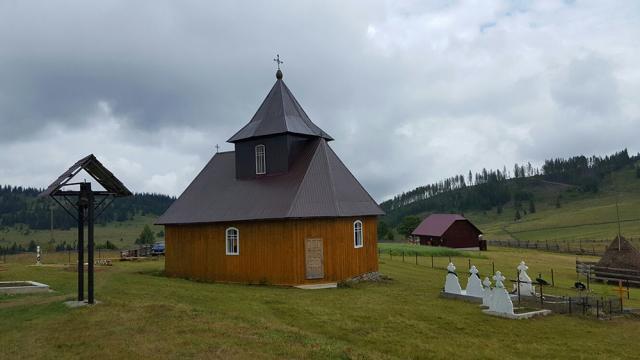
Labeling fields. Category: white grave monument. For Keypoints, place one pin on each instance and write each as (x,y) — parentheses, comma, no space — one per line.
(451,284)
(474,285)
(488,292)
(526,287)
(38,257)
(501,301)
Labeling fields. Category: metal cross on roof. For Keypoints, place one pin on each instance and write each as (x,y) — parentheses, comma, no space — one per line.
(278,61)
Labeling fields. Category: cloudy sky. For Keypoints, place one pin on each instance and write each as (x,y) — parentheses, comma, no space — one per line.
(412,92)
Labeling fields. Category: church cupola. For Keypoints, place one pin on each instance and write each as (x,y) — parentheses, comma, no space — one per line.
(271,141)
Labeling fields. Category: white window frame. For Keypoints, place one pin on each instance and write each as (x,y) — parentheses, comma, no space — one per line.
(261,160)
(358,231)
(228,238)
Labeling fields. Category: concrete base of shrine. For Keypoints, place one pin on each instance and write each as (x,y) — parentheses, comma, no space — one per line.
(518,316)
(462,296)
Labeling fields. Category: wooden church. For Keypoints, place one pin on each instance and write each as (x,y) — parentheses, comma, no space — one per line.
(280,209)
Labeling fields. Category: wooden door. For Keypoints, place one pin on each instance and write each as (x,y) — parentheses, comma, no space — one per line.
(314,258)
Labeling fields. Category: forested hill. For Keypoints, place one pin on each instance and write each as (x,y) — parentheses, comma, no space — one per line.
(493,189)
(20,205)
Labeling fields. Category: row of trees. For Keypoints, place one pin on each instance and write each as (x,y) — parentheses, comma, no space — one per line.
(20,205)
(490,188)
(586,172)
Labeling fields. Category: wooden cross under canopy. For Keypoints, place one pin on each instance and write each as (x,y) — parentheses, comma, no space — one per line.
(85,205)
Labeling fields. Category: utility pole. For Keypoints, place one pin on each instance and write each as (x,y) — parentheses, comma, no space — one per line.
(615,187)
(51,210)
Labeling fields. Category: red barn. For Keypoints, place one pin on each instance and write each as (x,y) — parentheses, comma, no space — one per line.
(450,230)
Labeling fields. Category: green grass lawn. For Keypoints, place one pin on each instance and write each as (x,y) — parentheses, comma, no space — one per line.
(146,315)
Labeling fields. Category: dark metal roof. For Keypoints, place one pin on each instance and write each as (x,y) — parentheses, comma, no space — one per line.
(94,168)
(437,224)
(317,185)
(279,113)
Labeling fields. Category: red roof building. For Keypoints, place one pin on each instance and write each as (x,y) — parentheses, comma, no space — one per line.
(450,230)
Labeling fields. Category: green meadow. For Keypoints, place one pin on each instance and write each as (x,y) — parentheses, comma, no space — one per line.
(591,216)
(143,314)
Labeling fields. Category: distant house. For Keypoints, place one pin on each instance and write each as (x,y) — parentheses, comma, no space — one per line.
(450,230)
(281,209)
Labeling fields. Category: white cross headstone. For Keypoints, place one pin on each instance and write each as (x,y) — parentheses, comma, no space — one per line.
(451,284)
(526,287)
(488,292)
(38,257)
(501,301)
(474,285)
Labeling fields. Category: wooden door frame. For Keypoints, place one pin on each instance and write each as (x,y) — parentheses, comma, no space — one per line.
(307,274)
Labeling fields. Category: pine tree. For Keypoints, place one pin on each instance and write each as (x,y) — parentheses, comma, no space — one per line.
(532,206)
(518,216)
(146,236)
(32,246)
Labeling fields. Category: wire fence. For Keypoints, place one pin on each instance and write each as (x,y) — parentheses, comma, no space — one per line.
(577,247)
(441,262)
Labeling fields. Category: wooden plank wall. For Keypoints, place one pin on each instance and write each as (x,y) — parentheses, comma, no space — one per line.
(271,251)
(461,234)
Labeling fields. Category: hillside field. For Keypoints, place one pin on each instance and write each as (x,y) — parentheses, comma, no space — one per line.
(580,216)
(122,234)
(143,314)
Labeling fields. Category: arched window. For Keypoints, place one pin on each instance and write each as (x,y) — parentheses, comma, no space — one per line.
(261,163)
(357,234)
(233,241)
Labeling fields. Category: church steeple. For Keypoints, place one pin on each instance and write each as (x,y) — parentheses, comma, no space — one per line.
(270,143)
(280,113)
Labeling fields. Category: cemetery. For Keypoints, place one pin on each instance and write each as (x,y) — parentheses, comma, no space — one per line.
(497,301)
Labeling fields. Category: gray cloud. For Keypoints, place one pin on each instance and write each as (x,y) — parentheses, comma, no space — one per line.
(412,92)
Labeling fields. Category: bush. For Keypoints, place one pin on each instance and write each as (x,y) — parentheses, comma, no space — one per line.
(146,236)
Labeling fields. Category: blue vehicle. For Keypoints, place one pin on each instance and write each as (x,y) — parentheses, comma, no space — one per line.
(157,249)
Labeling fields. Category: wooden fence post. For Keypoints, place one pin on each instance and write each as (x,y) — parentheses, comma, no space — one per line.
(432,261)
(553,283)
(628,293)
(416,258)
(402,256)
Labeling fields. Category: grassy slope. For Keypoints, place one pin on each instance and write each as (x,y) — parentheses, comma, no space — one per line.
(128,231)
(146,315)
(567,222)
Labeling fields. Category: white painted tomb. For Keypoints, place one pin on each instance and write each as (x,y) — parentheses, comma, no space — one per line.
(451,284)
(526,287)
(488,292)
(500,301)
(474,285)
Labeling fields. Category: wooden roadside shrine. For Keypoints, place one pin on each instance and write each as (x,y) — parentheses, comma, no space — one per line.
(85,205)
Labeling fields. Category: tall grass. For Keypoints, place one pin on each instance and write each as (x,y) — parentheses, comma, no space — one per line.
(436,251)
